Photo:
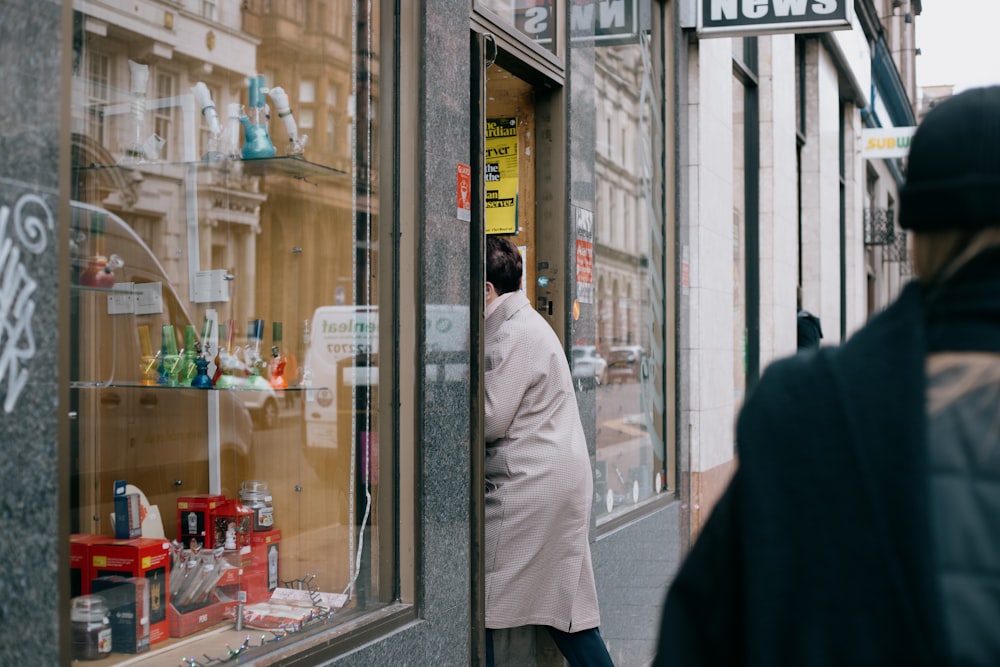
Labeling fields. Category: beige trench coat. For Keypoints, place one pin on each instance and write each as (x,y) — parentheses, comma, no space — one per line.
(539,483)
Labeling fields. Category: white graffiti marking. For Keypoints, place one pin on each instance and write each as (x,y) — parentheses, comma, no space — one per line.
(17,307)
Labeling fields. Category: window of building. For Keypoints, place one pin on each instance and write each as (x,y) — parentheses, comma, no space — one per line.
(163,113)
(98,94)
(307,91)
(634,462)
(209,8)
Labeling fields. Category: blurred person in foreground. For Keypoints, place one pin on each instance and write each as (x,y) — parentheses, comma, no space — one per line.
(539,485)
(860,527)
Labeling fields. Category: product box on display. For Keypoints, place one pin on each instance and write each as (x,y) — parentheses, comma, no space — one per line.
(128,512)
(128,604)
(233,524)
(195,516)
(144,557)
(79,561)
(184,624)
(262,544)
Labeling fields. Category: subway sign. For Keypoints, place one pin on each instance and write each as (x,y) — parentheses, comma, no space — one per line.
(886,142)
(732,18)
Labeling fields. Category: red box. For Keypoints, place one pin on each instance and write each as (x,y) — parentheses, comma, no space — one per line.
(254,585)
(231,574)
(233,524)
(182,625)
(248,584)
(140,557)
(79,561)
(194,519)
(262,545)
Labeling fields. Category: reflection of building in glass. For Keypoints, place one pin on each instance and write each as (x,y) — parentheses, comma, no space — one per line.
(308,49)
(622,227)
(631,454)
(137,132)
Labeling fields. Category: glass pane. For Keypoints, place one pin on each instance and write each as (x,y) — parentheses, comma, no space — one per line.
(225,329)
(628,359)
(534,18)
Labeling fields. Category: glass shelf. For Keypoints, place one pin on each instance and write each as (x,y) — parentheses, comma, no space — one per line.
(291,166)
(78,384)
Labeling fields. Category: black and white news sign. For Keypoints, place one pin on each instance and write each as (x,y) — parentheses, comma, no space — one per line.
(729,18)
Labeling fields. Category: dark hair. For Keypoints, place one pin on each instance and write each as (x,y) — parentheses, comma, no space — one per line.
(503,264)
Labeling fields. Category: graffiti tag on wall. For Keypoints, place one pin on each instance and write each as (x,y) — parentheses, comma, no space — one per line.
(25,229)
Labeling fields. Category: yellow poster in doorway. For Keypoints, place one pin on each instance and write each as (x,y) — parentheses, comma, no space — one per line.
(501,176)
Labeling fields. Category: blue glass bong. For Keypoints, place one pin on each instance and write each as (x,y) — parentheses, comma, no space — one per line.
(257,143)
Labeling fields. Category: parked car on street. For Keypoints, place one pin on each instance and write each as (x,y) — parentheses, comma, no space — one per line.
(588,362)
(625,363)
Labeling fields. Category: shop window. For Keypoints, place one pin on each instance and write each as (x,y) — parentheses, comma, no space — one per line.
(226,338)
(634,462)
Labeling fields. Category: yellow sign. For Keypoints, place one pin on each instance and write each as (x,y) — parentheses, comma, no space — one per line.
(501,176)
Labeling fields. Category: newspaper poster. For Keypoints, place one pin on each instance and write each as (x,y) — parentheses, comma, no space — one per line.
(501,175)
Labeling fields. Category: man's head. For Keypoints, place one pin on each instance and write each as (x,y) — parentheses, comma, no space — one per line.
(503,265)
(953,169)
(952,180)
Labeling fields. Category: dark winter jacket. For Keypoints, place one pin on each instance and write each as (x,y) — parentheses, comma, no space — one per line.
(821,551)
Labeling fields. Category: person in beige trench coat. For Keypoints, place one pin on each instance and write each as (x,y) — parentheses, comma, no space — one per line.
(539,484)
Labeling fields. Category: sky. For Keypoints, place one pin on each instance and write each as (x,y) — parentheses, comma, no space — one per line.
(956,39)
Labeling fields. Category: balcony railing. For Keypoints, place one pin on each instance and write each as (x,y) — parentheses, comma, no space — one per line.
(880,227)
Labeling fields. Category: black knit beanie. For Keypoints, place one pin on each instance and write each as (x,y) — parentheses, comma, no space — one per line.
(953,170)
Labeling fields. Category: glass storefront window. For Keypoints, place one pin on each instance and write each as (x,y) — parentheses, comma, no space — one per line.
(225,323)
(628,358)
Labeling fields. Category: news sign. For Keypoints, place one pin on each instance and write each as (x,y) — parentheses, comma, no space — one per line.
(733,18)
(597,22)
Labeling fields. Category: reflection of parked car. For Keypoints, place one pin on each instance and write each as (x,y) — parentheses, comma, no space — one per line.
(156,437)
(262,404)
(588,362)
(625,363)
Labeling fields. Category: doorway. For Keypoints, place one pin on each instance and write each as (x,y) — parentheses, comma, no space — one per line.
(522,148)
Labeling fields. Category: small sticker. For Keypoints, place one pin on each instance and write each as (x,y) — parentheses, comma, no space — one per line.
(211,286)
(463,191)
(123,303)
(148,298)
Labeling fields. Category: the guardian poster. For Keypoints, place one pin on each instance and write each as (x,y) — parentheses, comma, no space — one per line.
(501,176)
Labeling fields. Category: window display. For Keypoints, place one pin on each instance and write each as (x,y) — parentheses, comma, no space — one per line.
(224,327)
